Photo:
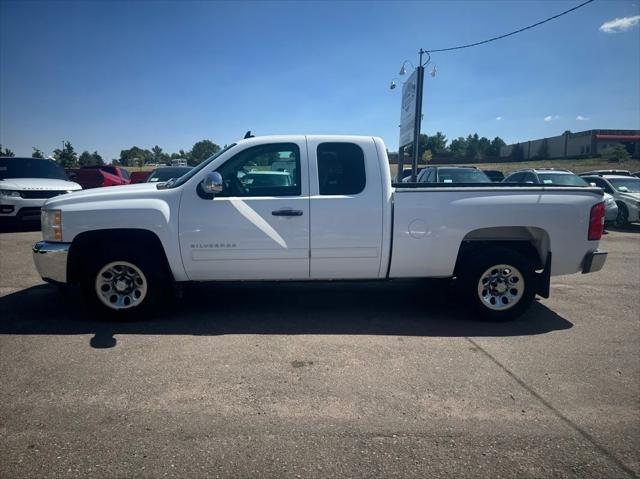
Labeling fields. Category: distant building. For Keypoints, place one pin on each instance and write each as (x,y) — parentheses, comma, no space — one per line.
(577,145)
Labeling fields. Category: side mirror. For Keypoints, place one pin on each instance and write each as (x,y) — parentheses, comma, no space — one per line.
(212,183)
(592,184)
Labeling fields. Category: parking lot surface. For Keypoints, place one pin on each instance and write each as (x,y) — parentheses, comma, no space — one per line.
(322,380)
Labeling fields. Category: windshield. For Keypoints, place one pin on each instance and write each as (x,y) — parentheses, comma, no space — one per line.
(183,179)
(626,185)
(165,174)
(567,179)
(30,168)
(462,175)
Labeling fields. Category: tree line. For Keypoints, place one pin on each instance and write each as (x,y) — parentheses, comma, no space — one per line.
(472,147)
(67,157)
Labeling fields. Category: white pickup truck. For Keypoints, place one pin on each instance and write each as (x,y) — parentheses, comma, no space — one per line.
(317,208)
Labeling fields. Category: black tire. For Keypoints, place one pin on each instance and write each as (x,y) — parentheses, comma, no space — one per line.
(153,278)
(622,219)
(482,262)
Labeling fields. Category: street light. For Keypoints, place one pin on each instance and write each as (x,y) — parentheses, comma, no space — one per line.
(403,70)
(418,111)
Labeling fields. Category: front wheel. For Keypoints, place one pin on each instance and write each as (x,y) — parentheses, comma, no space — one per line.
(123,285)
(500,284)
(623,216)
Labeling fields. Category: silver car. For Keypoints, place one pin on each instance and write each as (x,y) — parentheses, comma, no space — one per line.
(552,176)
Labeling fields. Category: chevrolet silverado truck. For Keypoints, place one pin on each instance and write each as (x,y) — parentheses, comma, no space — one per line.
(317,208)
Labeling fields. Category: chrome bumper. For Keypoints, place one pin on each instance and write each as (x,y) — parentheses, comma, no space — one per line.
(593,261)
(51,260)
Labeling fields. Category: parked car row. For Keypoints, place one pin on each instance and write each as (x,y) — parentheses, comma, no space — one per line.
(26,183)
(621,187)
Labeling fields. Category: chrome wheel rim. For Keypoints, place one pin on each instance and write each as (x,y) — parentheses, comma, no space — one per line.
(121,285)
(501,287)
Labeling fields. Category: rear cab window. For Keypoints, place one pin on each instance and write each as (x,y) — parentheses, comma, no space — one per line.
(341,169)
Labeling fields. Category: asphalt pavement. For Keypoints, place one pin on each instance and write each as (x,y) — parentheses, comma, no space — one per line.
(346,379)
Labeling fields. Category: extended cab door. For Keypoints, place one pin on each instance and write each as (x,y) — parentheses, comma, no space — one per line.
(258,227)
(346,208)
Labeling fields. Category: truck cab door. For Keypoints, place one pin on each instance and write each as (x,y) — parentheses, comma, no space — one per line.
(346,204)
(258,227)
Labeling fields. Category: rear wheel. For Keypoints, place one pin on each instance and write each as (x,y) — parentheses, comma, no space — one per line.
(500,284)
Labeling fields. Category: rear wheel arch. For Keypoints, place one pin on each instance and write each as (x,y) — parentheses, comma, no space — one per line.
(530,242)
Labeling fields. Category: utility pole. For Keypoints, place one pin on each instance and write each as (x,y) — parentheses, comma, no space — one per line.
(418,119)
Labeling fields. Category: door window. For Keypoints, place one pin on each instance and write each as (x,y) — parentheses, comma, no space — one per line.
(265,170)
(431,176)
(340,169)
(600,183)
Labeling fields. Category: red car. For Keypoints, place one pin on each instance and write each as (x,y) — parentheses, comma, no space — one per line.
(98,176)
(139,176)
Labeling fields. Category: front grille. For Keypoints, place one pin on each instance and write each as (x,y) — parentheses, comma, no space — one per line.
(28,214)
(40,194)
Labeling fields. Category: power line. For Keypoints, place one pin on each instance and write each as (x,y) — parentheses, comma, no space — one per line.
(512,33)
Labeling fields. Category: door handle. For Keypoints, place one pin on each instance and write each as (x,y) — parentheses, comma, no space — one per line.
(287,212)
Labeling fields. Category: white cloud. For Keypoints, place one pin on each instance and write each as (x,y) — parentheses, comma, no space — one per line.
(582,118)
(498,118)
(551,118)
(620,24)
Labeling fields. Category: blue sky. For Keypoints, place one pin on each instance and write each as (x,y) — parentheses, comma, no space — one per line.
(110,75)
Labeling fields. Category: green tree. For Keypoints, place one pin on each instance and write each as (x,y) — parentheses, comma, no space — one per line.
(37,153)
(66,157)
(617,153)
(437,143)
(134,156)
(427,156)
(202,150)
(85,159)
(90,159)
(473,146)
(158,156)
(484,144)
(494,148)
(458,147)
(97,159)
(6,152)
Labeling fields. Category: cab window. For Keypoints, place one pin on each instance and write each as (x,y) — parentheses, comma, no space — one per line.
(340,169)
(265,170)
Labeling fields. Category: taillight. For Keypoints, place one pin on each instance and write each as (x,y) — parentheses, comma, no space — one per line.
(596,222)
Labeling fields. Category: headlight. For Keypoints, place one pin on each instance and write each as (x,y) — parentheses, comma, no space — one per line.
(51,221)
(10,193)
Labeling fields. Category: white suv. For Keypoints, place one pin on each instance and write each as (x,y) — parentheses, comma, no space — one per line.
(625,191)
(26,183)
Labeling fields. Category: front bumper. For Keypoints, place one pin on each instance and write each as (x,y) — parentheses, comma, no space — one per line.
(610,212)
(14,207)
(51,260)
(593,261)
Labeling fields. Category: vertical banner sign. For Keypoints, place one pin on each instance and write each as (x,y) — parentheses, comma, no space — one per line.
(408,110)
